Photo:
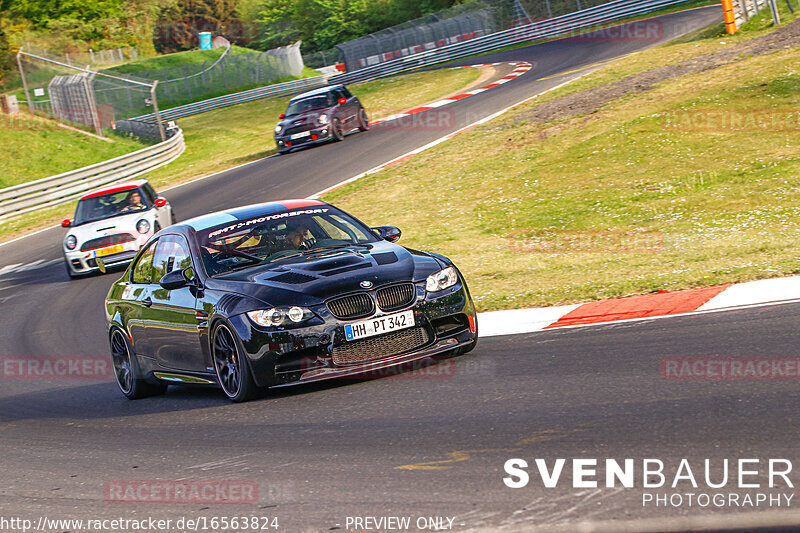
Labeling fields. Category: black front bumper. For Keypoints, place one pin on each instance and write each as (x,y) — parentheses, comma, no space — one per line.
(444,322)
(316,135)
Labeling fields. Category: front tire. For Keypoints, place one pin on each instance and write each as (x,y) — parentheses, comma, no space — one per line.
(126,369)
(337,133)
(363,123)
(233,372)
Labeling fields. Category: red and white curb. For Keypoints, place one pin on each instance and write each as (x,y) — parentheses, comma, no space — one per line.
(648,306)
(521,68)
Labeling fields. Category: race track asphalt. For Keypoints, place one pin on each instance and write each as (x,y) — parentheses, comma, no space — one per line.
(415,445)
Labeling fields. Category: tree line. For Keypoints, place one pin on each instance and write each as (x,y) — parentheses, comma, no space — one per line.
(163,26)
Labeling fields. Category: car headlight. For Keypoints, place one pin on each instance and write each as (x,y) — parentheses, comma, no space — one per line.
(70,242)
(143,226)
(278,128)
(323,119)
(441,280)
(279,316)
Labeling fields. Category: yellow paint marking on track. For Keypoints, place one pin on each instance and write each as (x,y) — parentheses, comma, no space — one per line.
(459,456)
(453,457)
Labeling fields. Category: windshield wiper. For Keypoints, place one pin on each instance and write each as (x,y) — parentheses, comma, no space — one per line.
(321,249)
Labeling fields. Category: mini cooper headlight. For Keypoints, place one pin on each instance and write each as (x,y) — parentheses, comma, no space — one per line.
(70,242)
(323,119)
(143,226)
(279,316)
(278,128)
(441,280)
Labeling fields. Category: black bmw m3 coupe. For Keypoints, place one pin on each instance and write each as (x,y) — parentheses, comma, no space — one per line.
(278,294)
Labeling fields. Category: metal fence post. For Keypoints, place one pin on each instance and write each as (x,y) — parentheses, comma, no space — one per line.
(186,80)
(776,16)
(92,103)
(24,81)
(154,101)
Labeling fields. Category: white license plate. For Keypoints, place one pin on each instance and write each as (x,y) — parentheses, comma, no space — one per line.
(300,135)
(379,325)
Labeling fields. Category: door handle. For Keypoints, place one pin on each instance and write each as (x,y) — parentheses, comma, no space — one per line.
(147,302)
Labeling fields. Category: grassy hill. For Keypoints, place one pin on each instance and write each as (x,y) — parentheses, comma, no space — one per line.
(174,60)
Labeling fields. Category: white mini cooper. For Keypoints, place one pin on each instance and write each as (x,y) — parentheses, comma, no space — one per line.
(113,222)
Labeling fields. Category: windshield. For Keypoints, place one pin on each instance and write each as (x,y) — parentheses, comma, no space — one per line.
(307,104)
(109,205)
(274,237)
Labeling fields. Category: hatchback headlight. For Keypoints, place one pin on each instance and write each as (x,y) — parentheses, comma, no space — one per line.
(70,242)
(441,280)
(279,316)
(143,226)
(278,129)
(323,119)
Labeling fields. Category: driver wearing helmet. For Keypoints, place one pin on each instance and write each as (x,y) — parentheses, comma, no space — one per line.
(299,236)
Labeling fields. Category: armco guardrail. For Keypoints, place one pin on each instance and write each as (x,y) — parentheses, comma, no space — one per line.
(259,93)
(545,29)
(61,188)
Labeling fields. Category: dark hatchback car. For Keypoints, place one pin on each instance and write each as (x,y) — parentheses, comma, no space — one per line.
(318,116)
(278,294)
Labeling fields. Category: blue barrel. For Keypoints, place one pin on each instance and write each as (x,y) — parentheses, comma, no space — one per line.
(205,40)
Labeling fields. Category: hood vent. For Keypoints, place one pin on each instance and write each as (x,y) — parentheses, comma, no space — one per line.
(385,258)
(292,278)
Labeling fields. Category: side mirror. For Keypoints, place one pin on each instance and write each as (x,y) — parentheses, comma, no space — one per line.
(178,279)
(66,223)
(342,100)
(160,202)
(388,233)
(282,116)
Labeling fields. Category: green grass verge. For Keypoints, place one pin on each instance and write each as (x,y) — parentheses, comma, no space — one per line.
(624,201)
(36,148)
(227,137)
(706,40)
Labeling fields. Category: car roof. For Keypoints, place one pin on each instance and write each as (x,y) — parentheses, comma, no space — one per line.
(321,90)
(248,211)
(116,187)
